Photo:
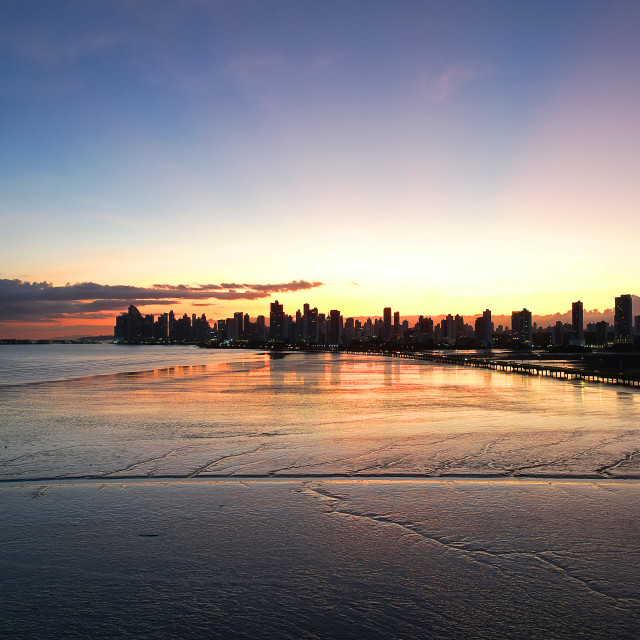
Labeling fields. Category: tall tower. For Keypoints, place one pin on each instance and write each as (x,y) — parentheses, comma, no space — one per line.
(134,326)
(386,324)
(172,325)
(521,329)
(623,319)
(484,328)
(447,328)
(276,322)
(577,324)
(334,333)
(239,320)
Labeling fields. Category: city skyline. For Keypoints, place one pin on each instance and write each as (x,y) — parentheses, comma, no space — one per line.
(309,327)
(32,299)
(421,154)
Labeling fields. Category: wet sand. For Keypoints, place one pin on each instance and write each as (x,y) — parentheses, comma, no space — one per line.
(320,558)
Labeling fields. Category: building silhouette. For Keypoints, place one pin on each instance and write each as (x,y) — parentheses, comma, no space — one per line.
(521,327)
(386,324)
(308,327)
(334,330)
(622,319)
(577,324)
(484,329)
(448,329)
(276,322)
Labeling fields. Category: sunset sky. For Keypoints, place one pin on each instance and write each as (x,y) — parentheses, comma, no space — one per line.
(435,157)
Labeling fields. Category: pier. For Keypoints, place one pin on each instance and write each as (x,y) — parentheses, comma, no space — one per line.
(511,366)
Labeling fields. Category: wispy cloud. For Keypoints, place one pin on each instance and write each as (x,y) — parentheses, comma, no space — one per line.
(48,48)
(446,85)
(22,301)
(254,68)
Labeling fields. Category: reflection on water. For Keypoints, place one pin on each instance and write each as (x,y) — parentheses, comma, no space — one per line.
(206,412)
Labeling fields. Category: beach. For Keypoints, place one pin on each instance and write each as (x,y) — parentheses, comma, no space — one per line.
(321,559)
(312,496)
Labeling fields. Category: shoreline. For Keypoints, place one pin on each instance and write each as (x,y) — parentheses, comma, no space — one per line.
(336,477)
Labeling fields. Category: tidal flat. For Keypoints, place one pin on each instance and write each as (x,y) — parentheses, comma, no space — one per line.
(321,559)
(178,492)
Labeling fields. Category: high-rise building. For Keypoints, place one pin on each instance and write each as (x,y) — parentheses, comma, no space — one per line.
(304,329)
(312,326)
(172,324)
(623,318)
(147,328)
(334,330)
(448,328)
(396,324)
(458,326)
(562,334)
(386,324)
(602,332)
(636,323)
(349,333)
(232,328)
(276,322)
(577,324)
(368,328)
(161,327)
(425,329)
(182,329)
(200,329)
(261,330)
(239,320)
(134,325)
(484,328)
(288,328)
(521,326)
(322,328)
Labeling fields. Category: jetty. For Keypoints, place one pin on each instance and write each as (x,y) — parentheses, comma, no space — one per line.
(510,366)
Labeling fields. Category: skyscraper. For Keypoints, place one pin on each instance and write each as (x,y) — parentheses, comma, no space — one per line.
(577,324)
(458,326)
(334,332)
(484,328)
(239,320)
(521,326)
(276,322)
(386,324)
(623,319)
(447,328)
(172,324)
(261,331)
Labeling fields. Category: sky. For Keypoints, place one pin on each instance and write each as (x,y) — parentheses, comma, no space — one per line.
(434,157)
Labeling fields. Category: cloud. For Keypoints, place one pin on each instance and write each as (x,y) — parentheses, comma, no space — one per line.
(254,68)
(46,47)
(296,285)
(22,301)
(448,83)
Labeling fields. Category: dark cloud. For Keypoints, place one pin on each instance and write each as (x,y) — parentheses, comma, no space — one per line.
(22,301)
(295,285)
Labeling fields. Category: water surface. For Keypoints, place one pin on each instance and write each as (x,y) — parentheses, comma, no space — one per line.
(113,411)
